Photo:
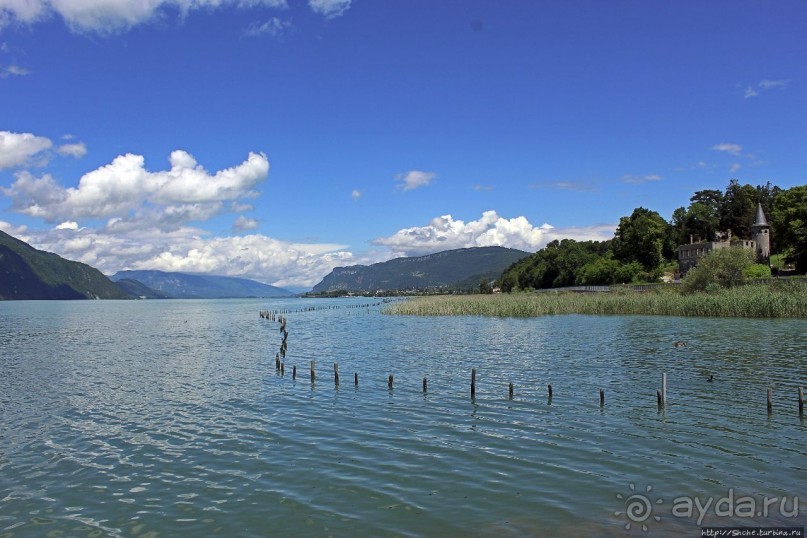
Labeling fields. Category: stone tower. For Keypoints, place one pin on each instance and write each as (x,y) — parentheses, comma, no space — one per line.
(761,234)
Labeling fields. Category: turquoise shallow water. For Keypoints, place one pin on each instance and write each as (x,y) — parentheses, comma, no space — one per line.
(164,418)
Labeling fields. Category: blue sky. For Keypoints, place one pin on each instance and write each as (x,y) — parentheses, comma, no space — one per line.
(276,139)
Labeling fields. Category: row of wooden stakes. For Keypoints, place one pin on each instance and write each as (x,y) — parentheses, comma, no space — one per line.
(661,393)
(272,315)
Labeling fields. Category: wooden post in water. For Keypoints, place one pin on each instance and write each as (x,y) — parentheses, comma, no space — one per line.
(770,400)
(277,361)
(335,373)
(664,389)
(356,379)
(425,384)
(313,375)
(549,389)
(602,398)
(282,368)
(473,382)
(801,401)
(294,372)
(511,390)
(389,381)
(659,398)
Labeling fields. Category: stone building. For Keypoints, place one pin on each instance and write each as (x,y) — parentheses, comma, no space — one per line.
(760,243)
(761,233)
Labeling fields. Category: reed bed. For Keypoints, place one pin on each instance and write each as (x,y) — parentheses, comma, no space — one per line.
(778,300)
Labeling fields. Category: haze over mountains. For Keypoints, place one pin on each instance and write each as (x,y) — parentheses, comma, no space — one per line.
(28,273)
(194,286)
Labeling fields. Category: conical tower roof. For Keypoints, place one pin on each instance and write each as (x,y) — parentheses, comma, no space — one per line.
(761,220)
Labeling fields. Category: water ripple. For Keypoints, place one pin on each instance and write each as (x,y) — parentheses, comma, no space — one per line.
(168,417)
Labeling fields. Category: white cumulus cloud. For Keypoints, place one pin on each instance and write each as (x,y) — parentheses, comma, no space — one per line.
(17,149)
(124,189)
(243,224)
(731,149)
(12,229)
(445,233)
(274,27)
(23,10)
(356,195)
(189,249)
(111,16)
(76,150)
(414,179)
(13,70)
(329,8)
(68,225)
(122,244)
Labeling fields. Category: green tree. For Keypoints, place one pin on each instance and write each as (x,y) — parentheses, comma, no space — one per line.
(738,210)
(484,286)
(789,223)
(699,221)
(508,281)
(766,195)
(605,270)
(556,265)
(641,238)
(711,198)
(678,227)
(598,272)
(702,221)
(630,272)
(757,270)
(723,267)
(572,257)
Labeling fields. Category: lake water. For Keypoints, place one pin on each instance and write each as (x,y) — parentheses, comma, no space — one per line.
(169,418)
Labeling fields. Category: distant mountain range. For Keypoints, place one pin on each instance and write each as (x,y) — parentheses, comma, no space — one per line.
(195,286)
(28,273)
(139,290)
(462,269)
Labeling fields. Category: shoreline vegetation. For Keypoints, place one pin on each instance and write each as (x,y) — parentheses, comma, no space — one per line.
(786,299)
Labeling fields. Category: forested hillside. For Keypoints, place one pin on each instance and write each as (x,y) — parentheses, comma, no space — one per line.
(644,242)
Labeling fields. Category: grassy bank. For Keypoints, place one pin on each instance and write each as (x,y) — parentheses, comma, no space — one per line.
(778,300)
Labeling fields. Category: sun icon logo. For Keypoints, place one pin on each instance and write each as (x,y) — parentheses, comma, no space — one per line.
(638,507)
